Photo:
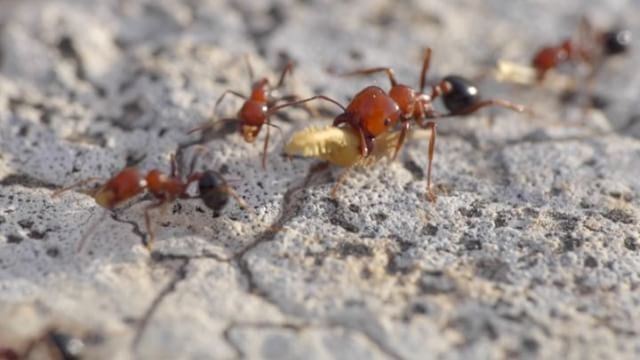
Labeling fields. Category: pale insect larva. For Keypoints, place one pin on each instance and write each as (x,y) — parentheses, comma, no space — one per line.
(339,145)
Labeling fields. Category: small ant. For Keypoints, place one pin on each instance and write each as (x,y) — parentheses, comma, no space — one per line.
(591,47)
(254,112)
(213,190)
(373,112)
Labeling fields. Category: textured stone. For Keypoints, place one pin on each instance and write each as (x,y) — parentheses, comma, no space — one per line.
(531,249)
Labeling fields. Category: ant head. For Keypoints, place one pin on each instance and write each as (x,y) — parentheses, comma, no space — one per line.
(460,95)
(616,41)
(213,190)
(249,132)
(252,116)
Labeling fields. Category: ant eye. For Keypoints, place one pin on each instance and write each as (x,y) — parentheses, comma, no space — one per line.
(462,95)
(212,189)
(616,41)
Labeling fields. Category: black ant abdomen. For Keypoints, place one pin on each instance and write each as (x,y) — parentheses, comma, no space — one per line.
(616,41)
(213,190)
(462,95)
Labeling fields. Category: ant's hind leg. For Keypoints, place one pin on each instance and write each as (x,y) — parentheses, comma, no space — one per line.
(266,148)
(432,146)
(497,103)
(148,242)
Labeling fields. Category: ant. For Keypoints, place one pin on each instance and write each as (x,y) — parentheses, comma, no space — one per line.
(591,47)
(254,112)
(213,190)
(374,112)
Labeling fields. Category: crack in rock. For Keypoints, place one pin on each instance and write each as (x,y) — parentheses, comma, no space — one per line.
(26,181)
(290,208)
(180,275)
(135,230)
(297,328)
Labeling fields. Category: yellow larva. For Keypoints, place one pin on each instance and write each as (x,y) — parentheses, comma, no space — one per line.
(507,71)
(339,145)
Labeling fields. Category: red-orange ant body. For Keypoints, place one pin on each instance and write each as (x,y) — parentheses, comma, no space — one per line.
(213,190)
(254,113)
(373,111)
(591,47)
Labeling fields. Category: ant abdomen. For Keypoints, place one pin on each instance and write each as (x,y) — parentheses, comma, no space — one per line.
(213,190)
(462,94)
(616,41)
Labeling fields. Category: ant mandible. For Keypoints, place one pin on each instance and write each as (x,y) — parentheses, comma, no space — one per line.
(591,47)
(254,112)
(373,111)
(213,190)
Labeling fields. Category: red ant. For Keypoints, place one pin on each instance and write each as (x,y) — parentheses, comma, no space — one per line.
(373,111)
(213,190)
(254,113)
(591,47)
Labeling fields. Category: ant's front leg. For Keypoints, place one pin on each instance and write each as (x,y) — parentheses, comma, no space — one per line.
(406,125)
(288,69)
(370,71)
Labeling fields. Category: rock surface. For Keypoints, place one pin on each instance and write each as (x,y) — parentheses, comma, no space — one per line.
(532,249)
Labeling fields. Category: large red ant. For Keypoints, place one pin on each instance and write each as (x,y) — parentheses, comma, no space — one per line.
(213,190)
(373,111)
(591,46)
(254,112)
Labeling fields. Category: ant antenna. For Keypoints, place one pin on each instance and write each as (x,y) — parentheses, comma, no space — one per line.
(247,61)
(74,185)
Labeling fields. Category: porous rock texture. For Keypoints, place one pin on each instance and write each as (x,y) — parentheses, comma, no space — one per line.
(532,249)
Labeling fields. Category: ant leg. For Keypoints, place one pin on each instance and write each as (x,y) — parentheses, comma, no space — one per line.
(388,70)
(274,109)
(425,68)
(442,87)
(403,134)
(432,146)
(148,243)
(243,205)
(290,98)
(174,165)
(494,102)
(341,179)
(209,125)
(194,160)
(366,144)
(266,142)
(584,40)
(92,228)
(232,92)
(288,69)
(247,62)
(266,147)
(75,185)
